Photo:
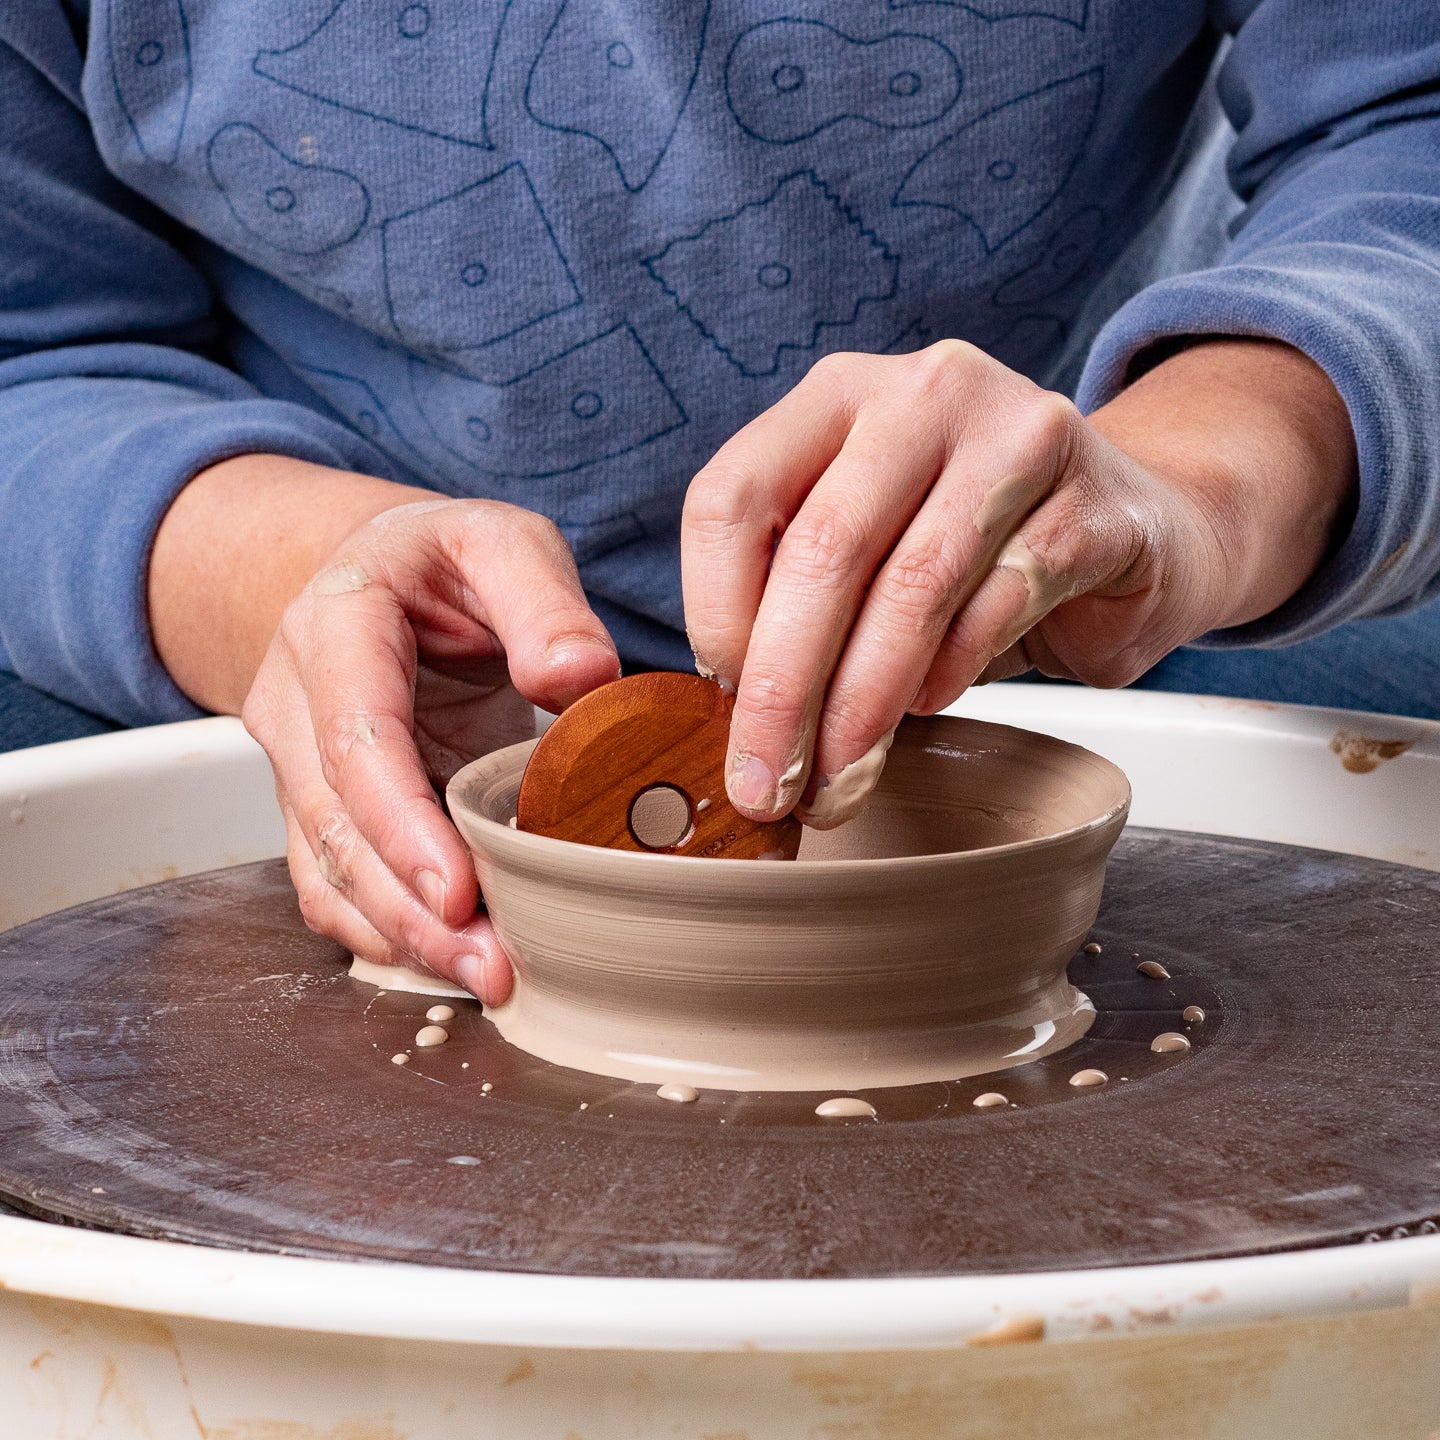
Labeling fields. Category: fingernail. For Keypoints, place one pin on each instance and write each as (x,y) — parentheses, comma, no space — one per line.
(920,705)
(432,891)
(575,645)
(470,971)
(752,785)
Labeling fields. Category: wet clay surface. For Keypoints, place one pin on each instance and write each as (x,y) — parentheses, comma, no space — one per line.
(195,1054)
(925,940)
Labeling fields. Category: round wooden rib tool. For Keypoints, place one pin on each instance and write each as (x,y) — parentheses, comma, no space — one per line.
(640,765)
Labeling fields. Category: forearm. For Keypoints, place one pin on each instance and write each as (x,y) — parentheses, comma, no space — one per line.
(1257,435)
(235,548)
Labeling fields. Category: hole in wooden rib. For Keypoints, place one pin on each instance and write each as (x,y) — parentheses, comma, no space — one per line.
(661,817)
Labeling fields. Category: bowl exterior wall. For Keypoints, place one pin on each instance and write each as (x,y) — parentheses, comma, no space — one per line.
(773,975)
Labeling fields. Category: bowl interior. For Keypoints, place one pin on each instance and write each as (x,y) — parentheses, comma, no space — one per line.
(950,785)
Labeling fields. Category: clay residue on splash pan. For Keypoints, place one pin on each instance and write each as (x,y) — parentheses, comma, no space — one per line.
(1360,755)
(842,796)
(927,940)
(1016,1330)
(845,1107)
(401,977)
(1171,1042)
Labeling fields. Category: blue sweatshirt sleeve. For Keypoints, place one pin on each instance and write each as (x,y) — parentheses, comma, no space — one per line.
(1336,107)
(108,404)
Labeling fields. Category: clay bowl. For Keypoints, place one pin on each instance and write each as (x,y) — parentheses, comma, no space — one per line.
(925,940)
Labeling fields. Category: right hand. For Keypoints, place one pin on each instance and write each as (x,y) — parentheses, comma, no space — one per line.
(422,642)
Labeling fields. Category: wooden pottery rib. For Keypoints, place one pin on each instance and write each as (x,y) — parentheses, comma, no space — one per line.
(657,731)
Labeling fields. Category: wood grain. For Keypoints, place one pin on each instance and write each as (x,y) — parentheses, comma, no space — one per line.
(626,738)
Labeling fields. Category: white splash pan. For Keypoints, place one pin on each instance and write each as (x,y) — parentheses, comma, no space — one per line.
(117,1337)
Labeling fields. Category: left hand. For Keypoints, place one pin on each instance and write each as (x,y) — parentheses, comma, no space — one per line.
(898,528)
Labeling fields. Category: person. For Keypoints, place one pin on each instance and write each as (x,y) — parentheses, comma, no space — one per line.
(358,356)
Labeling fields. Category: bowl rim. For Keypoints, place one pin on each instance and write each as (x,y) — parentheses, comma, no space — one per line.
(520,844)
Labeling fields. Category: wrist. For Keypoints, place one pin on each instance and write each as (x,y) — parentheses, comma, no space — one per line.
(236,546)
(1254,438)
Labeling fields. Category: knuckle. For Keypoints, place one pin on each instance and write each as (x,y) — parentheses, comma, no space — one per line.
(834,366)
(723,495)
(295,623)
(825,545)
(1111,672)
(498,521)
(964,644)
(540,527)
(314,899)
(335,841)
(854,721)
(413,936)
(769,697)
(1048,426)
(921,581)
(338,742)
(940,367)
(842,376)
(257,716)
(1053,544)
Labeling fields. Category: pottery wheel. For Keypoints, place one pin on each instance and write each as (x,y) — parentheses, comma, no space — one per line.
(187,1061)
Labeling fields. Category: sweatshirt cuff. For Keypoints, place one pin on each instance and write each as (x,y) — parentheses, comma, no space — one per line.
(90,467)
(1338,308)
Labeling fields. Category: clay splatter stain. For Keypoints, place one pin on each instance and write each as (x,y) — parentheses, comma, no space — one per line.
(845,1107)
(1016,1330)
(1170,1043)
(1360,755)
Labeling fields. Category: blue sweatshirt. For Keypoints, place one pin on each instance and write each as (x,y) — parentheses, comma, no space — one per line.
(556,251)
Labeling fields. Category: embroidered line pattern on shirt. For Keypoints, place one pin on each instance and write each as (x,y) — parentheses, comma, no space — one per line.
(602,398)
(1067,12)
(421,66)
(787,79)
(618,83)
(1002,170)
(298,208)
(363,410)
(772,275)
(150,65)
(1067,253)
(476,266)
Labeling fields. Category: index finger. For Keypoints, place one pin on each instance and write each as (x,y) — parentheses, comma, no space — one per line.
(738,506)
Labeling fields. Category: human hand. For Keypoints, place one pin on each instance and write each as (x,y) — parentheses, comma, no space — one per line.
(421,643)
(898,528)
